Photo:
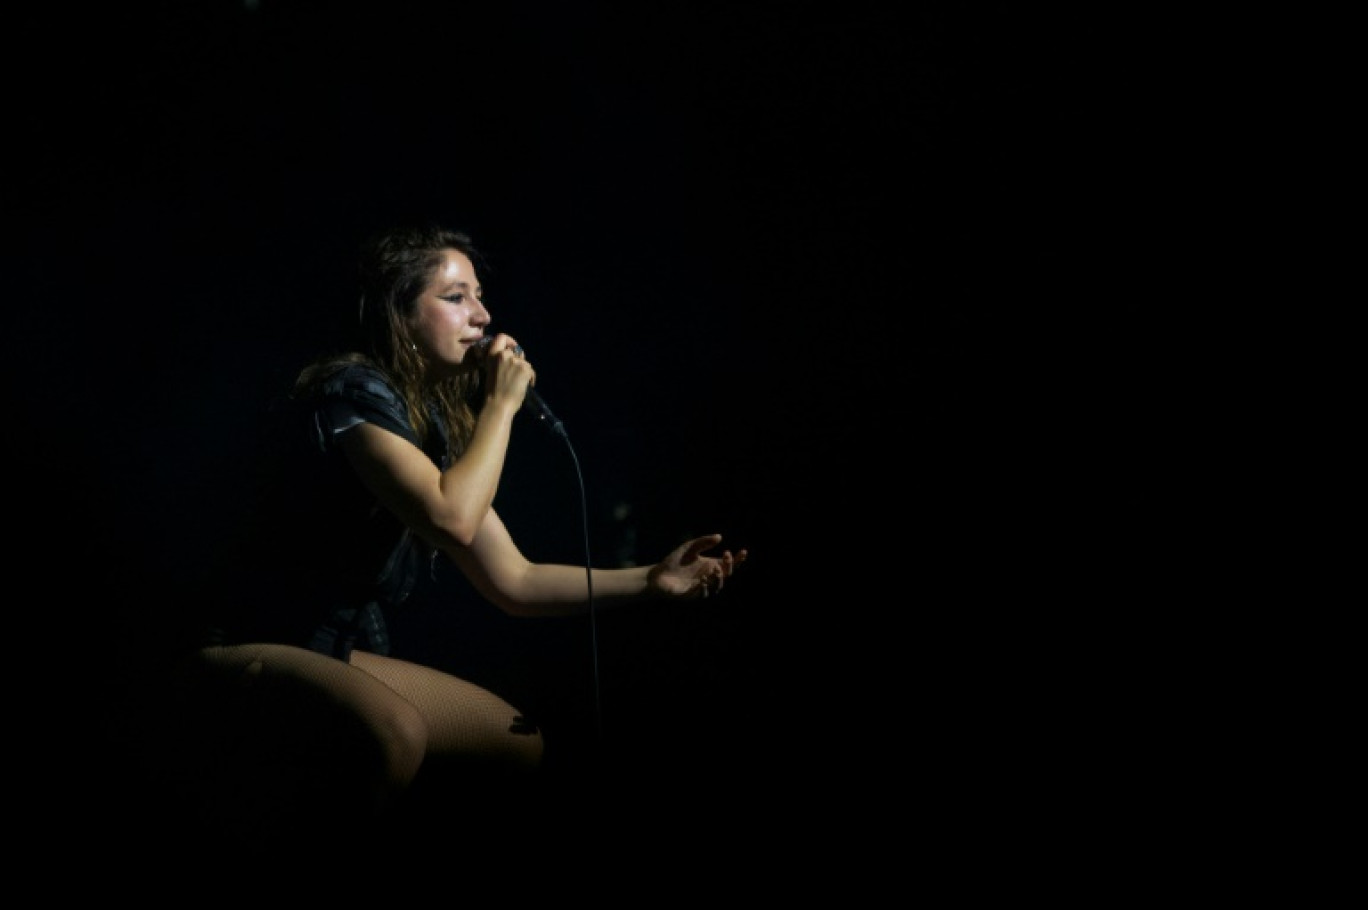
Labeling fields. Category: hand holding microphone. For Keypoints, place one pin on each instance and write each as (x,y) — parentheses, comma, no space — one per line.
(532,401)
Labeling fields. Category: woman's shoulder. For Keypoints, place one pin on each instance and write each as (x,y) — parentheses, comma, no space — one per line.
(356,392)
(344,378)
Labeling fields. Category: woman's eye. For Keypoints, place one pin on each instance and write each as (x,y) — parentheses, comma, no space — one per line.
(454,298)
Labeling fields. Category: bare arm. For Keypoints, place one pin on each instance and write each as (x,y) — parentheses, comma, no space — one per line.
(453,511)
(444,507)
(498,569)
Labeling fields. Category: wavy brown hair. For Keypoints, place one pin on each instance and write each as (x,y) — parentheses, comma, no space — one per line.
(395,266)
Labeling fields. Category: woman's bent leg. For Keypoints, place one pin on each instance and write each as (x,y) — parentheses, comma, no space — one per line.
(465,723)
(479,773)
(281,739)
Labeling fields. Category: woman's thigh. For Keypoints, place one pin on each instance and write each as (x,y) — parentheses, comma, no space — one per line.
(463,720)
(274,729)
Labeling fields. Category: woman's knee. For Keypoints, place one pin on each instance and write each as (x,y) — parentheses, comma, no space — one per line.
(402,734)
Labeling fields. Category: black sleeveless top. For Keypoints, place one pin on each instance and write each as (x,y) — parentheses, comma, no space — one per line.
(319,562)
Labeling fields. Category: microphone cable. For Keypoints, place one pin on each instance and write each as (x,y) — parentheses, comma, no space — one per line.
(535,405)
(559,429)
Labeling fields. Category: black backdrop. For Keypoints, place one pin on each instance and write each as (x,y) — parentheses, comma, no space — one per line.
(836,282)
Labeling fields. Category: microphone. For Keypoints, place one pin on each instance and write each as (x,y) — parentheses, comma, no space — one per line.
(532,401)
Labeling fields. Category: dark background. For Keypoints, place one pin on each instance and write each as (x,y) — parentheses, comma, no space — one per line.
(839,281)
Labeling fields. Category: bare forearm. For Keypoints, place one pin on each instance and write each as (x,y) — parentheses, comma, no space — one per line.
(551,589)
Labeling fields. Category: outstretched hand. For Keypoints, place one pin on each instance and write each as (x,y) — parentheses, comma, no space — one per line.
(686,572)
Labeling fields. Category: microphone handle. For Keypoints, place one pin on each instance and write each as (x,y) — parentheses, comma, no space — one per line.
(533,403)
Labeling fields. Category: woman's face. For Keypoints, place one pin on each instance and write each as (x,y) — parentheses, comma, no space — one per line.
(449,317)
